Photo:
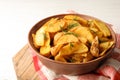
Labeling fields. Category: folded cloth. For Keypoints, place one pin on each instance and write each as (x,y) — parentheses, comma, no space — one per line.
(109,70)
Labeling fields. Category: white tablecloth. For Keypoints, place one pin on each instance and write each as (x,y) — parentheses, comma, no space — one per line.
(17,17)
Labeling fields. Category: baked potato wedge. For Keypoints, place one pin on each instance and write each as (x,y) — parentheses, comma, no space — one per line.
(72,48)
(82,48)
(71,24)
(76,18)
(45,50)
(77,58)
(69,49)
(54,50)
(55,26)
(46,39)
(66,38)
(102,27)
(81,58)
(60,58)
(66,50)
(84,32)
(38,38)
(57,37)
(51,21)
(88,57)
(94,49)
(34,42)
(105,46)
(83,39)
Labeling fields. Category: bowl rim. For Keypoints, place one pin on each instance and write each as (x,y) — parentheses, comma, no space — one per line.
(67,63)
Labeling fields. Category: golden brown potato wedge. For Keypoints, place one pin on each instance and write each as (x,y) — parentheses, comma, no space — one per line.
(35,44)
(57,37)
(81,57)
(94,29)
(46,39)
(54,50)
(55,27)
(66,38)
(69,49)
(60,58)
(82,48)
(51,21)
(66,50)
(102,27)
(88,57)
(71,24)
(83,39)
(105,46)
(45,50)
(38,38)
(77,58)
(72,48)
(94,49)
(92,26)
(104,39)
(77,18)
(84,32)
(99,34)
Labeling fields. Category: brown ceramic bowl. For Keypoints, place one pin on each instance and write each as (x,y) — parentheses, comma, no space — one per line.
(68,68)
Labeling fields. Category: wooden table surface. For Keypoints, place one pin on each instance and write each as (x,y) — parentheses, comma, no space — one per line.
(23,64)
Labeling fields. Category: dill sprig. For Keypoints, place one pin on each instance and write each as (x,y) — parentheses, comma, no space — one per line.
(71,45)
(71,33)
(62,29)
(45,36)
(70,26)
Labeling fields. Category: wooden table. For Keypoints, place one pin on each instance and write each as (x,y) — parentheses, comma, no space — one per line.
(23,64)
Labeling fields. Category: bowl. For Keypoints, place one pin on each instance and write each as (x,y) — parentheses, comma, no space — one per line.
(68,68)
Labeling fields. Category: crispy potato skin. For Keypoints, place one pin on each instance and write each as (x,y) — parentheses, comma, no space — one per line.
(94,49)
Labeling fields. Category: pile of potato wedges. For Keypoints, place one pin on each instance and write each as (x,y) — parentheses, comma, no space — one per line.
(73,39)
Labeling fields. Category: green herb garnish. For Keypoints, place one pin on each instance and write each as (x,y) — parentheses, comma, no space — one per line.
(71,33)
(45,36)
(75,18)
(63,30)
(70,26)
(71,45)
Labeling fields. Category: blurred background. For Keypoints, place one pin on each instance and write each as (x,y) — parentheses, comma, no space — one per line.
(17,18)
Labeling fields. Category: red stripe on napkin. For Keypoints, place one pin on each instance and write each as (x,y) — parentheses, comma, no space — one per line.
(118,41)
(41,75)
(110,72)
(38,68)
(35,61)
